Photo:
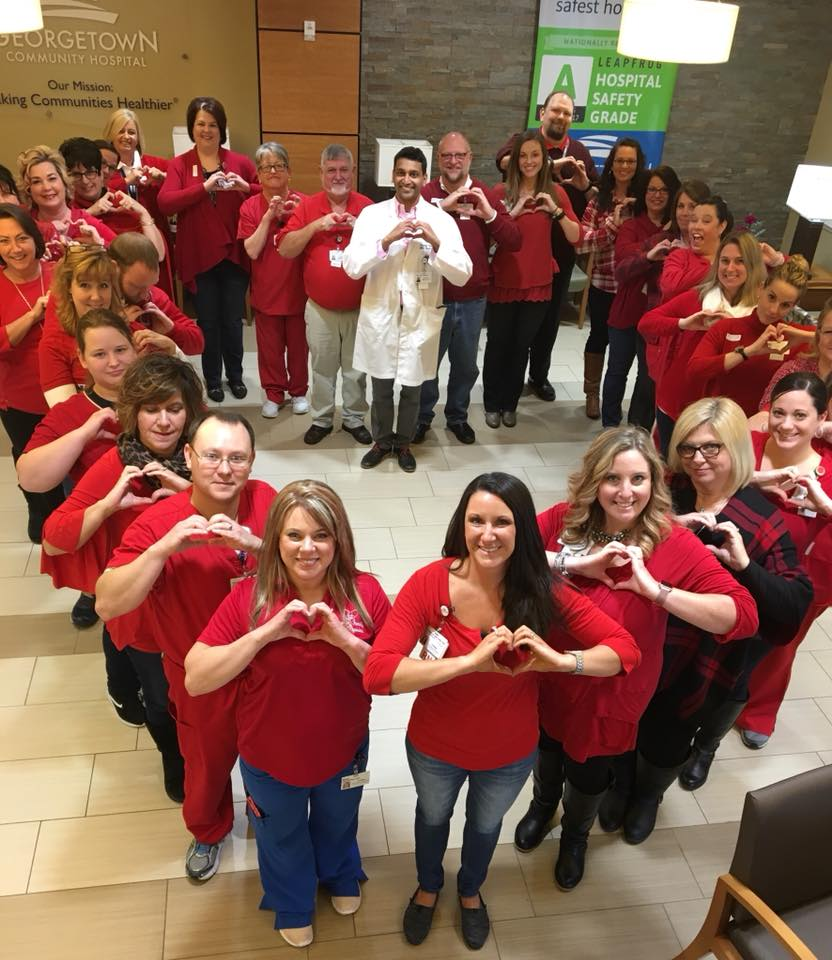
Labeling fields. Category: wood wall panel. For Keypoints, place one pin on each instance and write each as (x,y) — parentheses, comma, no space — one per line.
(306,87)
(305,156)
(340,16)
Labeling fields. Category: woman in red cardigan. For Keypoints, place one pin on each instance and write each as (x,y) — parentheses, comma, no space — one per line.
(490,617)
(615,537)
(521,284)
(205,188)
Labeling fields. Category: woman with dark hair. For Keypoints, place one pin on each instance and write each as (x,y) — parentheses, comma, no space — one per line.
(704,677)
(640,247)
(521,283)
(158,399)
(687,264)
(205,188)
(8,188)
(615,536)
(489,615)
(24,286)
(298,637)
(599,227)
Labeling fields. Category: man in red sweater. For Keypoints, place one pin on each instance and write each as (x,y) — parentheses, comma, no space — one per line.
(474,208)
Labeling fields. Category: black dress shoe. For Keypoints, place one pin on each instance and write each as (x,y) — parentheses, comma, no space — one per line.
(406,459)
(417,920)
(316,433)
(475,925)
(238,390)
(545,391)
(217,394)
(374,456)
(421,432)
(83,614)
(463,432)
(359,433)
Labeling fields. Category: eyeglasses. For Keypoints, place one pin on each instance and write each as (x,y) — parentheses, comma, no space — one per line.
(237,461)
(663,190)
(272,167)
(453,156)
(84,174)
(624,163)
(687,451)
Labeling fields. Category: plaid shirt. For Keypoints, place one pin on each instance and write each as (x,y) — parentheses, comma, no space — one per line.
(598,233)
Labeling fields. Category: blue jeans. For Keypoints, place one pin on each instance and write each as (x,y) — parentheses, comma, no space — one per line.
(624,348)
(305,836)
(490,794)
(460,339)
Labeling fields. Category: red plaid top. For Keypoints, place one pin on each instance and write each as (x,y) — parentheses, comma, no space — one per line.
(598,233)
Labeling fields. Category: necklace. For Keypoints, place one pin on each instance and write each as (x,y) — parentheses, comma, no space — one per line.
(601,536)
(20,292)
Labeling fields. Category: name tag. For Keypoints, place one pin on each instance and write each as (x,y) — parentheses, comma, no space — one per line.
(353,780)
(336,258)
(778,356)
(434,646)
(733,336)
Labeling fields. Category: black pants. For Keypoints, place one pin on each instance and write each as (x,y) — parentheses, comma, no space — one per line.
(220,306)
(592,776)
(540,352)
(20,426)
(599,304)
(665,425)
(511,329)
(625,346)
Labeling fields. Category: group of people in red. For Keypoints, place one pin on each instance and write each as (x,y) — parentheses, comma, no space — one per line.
(604,646)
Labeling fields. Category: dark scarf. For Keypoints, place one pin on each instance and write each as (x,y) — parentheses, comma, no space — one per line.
(134,453)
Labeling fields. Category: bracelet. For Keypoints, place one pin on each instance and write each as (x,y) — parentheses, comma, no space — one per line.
(148,224)
(559,215)
(741,352)
(560,565)
(664,592)
(579,660)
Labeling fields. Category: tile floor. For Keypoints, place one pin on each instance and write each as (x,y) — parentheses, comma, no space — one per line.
(91,849)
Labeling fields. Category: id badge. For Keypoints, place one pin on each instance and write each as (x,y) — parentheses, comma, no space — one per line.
(434,646)
(353,780)
(336,258)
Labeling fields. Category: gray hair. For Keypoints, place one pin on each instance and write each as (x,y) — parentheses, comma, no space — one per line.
(277,149)
(334,151)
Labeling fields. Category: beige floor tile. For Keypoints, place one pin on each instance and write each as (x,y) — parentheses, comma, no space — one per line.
(825,703)
(90,852)
(299,463)
(369,484)
(17,848)
(61,729)
(13,559)
(45,789)
(452,483)
(824,658)
(686,918)
(808,679)
(13,525)
(21,595)
(280,480)
(239,851)
(617,875)
(266,954)
(11,497)
(125,921)
(567,454)
(428,457)
(708,850)
(37,635)
(423,541)
(502,455)
(128,782)
(434,511)
(68,679)
(388,763)
(802,726)
(144,741)
(826,756)
(32,568)
(15,676)
(640,933)
(89,641)
(816,639)
(551,481)
(373,543)
(391,713)
(372,840)
(384,511)
(394,573)
(444,943)
(722,797)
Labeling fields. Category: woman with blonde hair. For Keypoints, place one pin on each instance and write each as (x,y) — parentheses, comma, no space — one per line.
(737,357)
(298,636)
(614,537)
(705,673)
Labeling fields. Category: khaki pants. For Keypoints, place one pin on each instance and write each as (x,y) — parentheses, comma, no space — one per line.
(331,338)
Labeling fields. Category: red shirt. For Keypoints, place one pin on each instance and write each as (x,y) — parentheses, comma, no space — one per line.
(54,242)
(309,691)
(146,193)
(326,283)
(479,721)
(194,581)
(276,283)
(747,382)
(67,416)
(599,716)
(635,275)
(682,269)
(19,377)
(206,229)
(186,334)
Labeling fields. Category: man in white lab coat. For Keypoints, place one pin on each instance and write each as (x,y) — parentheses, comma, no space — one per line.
(405,247)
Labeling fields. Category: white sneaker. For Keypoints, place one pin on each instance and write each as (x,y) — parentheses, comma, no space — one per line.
(270,409)
(300,405)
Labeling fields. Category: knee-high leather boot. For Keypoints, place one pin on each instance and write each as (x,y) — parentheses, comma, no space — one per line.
(706,743)
(651,783)
(579,812)
(548,787)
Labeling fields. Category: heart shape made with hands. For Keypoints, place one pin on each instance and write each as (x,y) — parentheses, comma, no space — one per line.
(340,217)
(413,233)
(531,203)
(306,622)
(512,657)
(619,572)
(777,346)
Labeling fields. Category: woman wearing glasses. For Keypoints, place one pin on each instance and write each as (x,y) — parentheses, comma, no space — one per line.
(205,187)
(704,680)
(277,293)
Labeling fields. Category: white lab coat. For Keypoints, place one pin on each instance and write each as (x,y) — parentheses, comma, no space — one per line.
(401,308)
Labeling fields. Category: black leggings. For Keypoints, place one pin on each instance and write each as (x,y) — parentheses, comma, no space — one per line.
(20,426)
(592,776)
(599,304)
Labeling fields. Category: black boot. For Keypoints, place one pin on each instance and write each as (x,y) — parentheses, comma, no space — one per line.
(651,783)
(616,800)
(706,743)
(548,787)
(173,766)
(579,810)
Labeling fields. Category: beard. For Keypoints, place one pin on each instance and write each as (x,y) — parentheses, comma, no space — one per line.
(556,130)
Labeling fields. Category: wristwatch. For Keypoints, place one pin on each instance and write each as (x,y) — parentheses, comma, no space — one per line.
(579,660)
(741,352)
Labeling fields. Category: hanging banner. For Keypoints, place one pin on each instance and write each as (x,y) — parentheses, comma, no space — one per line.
(614,96)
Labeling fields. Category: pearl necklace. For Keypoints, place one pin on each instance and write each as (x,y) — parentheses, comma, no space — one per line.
(601,536)
(20,292)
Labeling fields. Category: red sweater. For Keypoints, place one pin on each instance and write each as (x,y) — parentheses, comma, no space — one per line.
(481,720)
(477,237)
(54,243)
(747,382)
(599,716)
(308,691)
(682,270)
(206,229)
(194,581)
(19,379)
(147,193)
(276,283)
(635,275)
